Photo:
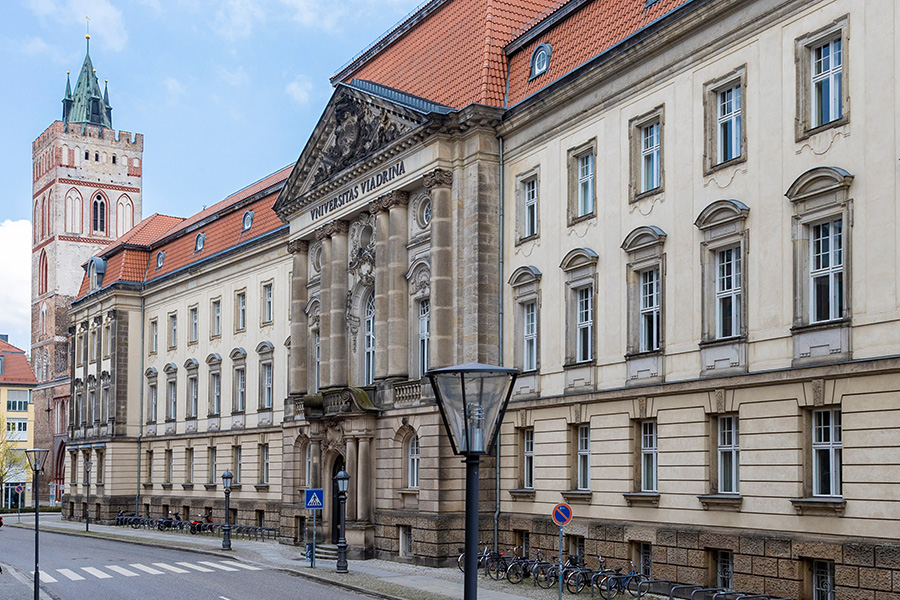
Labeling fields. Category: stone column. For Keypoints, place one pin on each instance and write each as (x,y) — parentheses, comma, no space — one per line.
(338,327)
(398,288)
(382,225)
(322,234)
(363,490)
(438,182)
(299,323)
(356,482)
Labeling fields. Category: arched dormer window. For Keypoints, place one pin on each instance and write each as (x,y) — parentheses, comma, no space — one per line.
(160,259)
(247,221)
(199,242)
(540,59)
(98,221)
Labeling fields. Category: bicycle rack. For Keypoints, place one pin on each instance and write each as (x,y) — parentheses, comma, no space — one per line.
(650,583)
(705,591)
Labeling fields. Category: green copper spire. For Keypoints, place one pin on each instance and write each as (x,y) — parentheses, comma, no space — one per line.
(67,99)
(88,104)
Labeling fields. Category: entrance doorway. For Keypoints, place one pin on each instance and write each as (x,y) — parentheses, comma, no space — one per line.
(335,501)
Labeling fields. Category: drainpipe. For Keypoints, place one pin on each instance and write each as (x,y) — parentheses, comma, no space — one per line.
(137,495)
(499,351)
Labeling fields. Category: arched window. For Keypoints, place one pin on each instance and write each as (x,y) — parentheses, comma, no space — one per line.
(247,221)
(45,217)
(99,214)
(37,224)
(124,215)
(46,364)
(73,212)
(43,319)
(412,462)
(42,273)
(369,374)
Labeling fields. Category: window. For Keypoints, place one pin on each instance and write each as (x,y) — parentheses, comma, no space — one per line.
(172,400)
(247,221)
(650,152)
(154,336)
(540,59)
(236,455)
(528,459)
(724,569)
(149,466)
(529,352)
(240,389)
(194,317)
(728,124)
(99,214)
(530,192)
(406,540)
(826,271)
(94,346)
(240,311)
(215,393)
(412,465)
(827,86)
(173,331)
(17,400)
(199,242)
(369,348)
(318,362)
(160,259)
(264,464)
(215,312)
(581,189)
(189,465)
(107,340)
(649,311)
(584,457)
(826,448)
(585,185)
(17,430)
(211,464)
(169,466)
(728,292)
(152,400)
(728,454)
(822,93)
(268,303)
(648,456)
(307,464)
(585,324)
(192,390)
(823,580)
(724,117)
(646,149)
(424,335)
(267,384)
(645,559)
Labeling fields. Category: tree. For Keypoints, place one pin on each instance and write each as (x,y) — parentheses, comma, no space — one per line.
(13,464)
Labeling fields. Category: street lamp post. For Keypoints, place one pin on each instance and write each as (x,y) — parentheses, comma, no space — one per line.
(226,529)
(87,484)
(472,399)
(342,479)
(36,458)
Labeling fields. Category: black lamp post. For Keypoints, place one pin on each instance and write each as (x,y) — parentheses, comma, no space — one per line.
(342,479)
(226,529)
(87,505)
(36,459)
(472,399)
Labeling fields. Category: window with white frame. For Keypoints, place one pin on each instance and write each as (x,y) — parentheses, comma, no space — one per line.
(17,430)
(827,446)
(728,123)
(268,302)
(169,465)
(215,392)
(240,311)
(172,398)
(193,391)
(211,464)
(530,193)
(728,292)
(650,156)
(729,452)
(826,273)
(194,323)
(240,389)
(237,464)
(529,353)
(17,400)
(584,457)
(648,457)
(650,310)
(189,466)
(585,204)
(95,346)
(107,340)
(528,459)
(424,335)
(268,393)
(724,569)
(584,324)
(215,312)
(581,189)
(173,330)
(412,462)
(154,336)
(307,463)
(823,580)
(318,362)
(264,464)
(152,403)
(369,343)
(827,81)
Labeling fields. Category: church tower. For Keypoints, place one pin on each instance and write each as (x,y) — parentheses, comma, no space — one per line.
(86,193)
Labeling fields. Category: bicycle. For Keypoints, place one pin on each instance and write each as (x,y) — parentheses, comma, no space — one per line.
(581,576)
(612,584)
(498,563)
(482,557)
(547,574)
(520,568)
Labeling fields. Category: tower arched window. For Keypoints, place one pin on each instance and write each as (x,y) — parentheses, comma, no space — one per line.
(43,319)
(42,273)
(74,205)
(99,214)
(124,215)
(46,364)
(370,341)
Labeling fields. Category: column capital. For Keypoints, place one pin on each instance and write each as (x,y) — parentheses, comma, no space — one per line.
(322,232)
(438,178)
(395,198)
(295,246)
(338,226)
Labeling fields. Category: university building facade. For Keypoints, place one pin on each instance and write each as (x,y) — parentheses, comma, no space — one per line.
(663,213)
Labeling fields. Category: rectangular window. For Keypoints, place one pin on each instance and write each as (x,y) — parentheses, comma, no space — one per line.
(107,340)
(645,559)
(648,456)
(724,569)
(650,154)
(240,389)
(826,271)
(211,464)
(318,362)
(215,391)
(584,457)
(529,362)
(728,123)
(17,430)
(95,352)
(194,317)
(240,311)
(424,335)
(17,400)
(528,459)
(650,310)
(267,383)
(827,85)
(827,446)
(823,580)
(268,302)
(264,464)
(729,455)
(530,191)
(728,292)
(413,461)
(215,328)
(189,465)
(192,390)
(236,455)
(172,397)
(584,350)
(152,401)
(149,465)
(585,184)
(154,336)
(173,330)
(169,466)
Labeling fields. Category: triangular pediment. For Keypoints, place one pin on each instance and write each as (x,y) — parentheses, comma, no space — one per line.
(356,125)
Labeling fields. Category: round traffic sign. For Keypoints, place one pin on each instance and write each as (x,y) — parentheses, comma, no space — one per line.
(562,514)
(19,489)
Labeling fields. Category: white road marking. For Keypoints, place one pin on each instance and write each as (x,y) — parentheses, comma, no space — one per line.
(170,568)
(147,569)
(243,566)
(209,563)
(223,598)
(45,578)
(96,573)
(195,567)
(72,575)
(122,571)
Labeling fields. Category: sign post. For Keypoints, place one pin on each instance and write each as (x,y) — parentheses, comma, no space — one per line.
(562,514)
(314,502)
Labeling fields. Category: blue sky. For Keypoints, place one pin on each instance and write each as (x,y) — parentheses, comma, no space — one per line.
(225,92)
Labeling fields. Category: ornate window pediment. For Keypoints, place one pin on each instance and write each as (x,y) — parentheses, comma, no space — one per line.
(578,258)
(643,237)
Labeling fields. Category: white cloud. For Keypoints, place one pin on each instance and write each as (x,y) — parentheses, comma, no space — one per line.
(233,77)
(235,19)
(299,89)
(107,26)
(37,47)
(174,90)
(15,273)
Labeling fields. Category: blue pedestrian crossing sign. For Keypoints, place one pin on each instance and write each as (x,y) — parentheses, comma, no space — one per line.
(314,499)
(562,513)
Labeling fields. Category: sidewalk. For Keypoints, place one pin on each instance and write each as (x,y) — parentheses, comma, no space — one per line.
(384,579)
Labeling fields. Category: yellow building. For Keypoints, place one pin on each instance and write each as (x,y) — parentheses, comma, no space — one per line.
(17,414)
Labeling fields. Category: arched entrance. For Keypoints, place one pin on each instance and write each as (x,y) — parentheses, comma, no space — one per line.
(335,501)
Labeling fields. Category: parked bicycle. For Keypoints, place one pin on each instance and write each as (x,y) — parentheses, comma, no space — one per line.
(612,583)
(547,574)
(580,577)
(482,557)
(522,567)
(497,564)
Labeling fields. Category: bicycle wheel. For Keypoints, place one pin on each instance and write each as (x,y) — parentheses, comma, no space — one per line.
(496,568)
(515,573)
(545,576)
(633,584)
(609,587)
(461,562)
(575,581)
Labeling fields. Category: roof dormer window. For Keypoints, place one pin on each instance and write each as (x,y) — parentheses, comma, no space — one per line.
(199,241)
(540,59)
(247,221)
(160,258)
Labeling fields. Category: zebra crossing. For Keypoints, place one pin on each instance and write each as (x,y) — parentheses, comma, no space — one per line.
(137,569)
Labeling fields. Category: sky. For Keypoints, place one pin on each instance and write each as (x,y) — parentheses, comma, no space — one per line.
(224,91)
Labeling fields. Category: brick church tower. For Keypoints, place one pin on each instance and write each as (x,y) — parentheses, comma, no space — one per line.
(86,193)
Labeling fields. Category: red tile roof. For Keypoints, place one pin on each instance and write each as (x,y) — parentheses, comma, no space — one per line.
(15,366)
(454,56)
(587,32)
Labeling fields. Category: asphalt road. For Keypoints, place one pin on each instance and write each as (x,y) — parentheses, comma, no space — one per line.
(77,568)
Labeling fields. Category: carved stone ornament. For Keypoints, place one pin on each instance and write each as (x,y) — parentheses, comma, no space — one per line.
(334,437)
(295,246)
(358,131)
(438,178)
(818,391)
(362,242)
